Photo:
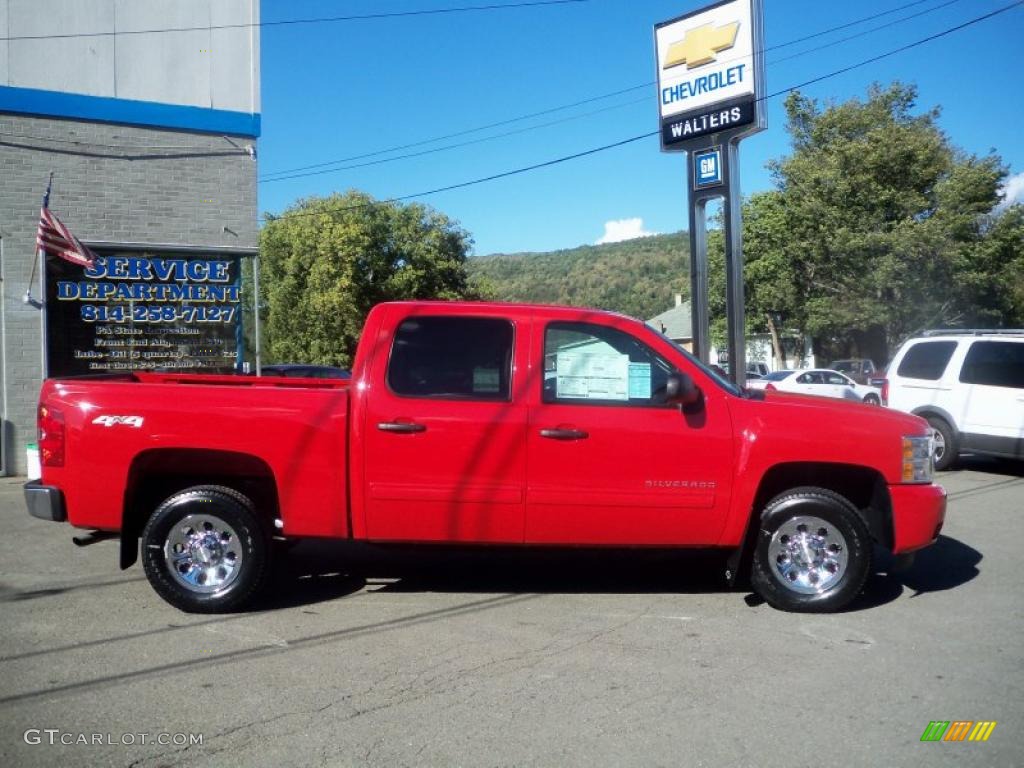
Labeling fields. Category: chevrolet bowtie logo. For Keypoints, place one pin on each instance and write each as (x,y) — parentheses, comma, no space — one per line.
(700,45)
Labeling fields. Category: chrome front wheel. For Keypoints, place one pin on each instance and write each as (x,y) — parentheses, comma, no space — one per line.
(813,552)
(809,555)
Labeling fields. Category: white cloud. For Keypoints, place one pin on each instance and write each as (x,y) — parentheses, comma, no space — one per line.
(623,229)
(1013,191)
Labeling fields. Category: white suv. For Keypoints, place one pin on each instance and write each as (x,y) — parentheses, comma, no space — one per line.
(969,385)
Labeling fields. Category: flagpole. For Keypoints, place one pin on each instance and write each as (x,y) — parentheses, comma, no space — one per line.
(42,289)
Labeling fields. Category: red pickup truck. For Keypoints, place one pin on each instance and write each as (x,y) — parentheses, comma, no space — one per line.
(486,424)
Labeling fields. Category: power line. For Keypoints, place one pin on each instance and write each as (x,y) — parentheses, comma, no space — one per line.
(872,30)
(853,23)
(601,97)
(506,134)
(306,171)
(287,22)
(461,133)
(901,49)
(493,177)
(623,142)
(477,129)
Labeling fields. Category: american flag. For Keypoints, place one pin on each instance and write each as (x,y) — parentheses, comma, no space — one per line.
(53,237)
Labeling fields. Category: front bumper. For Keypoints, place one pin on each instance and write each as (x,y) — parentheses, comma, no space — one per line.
(45,501)
(918,512)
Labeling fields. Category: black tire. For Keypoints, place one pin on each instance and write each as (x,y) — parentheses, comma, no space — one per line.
(872,400)
(780,572)
(947,448)
(223,561)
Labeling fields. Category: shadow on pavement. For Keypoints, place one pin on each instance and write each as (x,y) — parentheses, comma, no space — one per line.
(988,464)
(947,564)
(316,571)
(327,567)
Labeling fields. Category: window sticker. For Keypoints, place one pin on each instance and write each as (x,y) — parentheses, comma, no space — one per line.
(640,380)
(592,376)
(486,380)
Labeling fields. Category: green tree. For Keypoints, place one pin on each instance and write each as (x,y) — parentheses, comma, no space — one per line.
(327,260)
(878,227)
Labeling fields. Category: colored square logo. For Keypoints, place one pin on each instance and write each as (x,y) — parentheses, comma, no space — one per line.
(707,168)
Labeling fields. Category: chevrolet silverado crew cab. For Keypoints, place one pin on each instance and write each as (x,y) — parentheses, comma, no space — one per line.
(486,424)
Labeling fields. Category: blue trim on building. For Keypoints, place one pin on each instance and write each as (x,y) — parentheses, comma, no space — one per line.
(108,110)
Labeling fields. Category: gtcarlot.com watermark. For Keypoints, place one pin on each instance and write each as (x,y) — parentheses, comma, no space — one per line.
(56,736)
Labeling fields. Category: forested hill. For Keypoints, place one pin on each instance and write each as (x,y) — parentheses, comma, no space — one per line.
(637,277)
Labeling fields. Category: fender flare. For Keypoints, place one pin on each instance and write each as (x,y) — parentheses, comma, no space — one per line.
(934,410)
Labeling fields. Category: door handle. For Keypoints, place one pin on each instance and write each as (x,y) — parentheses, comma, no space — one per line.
(401,427)
(564,434)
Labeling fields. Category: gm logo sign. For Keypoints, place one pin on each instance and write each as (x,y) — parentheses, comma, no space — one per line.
(707,168)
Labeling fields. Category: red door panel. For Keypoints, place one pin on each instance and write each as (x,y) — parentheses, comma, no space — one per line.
(622,473)
(443,467)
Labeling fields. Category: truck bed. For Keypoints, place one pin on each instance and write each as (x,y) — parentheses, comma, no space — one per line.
(120,427)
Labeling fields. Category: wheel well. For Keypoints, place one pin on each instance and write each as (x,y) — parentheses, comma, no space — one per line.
(158,474)
(865,488)
(927,410)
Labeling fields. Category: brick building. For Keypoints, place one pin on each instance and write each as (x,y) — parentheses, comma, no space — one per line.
(151,138)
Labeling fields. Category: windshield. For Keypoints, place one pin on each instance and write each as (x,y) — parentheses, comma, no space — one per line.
(843,366)
(777,375)
(722,381)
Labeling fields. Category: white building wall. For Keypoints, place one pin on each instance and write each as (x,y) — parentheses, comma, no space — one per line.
(211,68)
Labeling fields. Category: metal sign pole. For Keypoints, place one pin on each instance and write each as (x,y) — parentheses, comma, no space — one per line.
(734,297)
(699,322)
(710,75)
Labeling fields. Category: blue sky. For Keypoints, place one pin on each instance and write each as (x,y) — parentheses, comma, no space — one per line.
(337,90)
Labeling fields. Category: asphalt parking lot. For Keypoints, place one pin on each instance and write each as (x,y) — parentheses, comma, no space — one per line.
(551,659)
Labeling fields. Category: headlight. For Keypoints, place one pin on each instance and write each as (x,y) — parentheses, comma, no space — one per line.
(918,459)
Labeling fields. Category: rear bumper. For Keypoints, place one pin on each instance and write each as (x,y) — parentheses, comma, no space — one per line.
(45,501)
(918,512)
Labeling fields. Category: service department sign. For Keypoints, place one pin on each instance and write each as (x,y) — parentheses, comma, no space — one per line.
(710,72)
(141,311)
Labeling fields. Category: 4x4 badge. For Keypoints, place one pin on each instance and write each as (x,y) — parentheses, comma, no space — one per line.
(111,421)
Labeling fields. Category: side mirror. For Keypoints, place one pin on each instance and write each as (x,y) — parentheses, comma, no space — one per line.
(679,388)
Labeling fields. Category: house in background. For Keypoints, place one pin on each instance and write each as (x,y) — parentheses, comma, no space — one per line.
(677,324)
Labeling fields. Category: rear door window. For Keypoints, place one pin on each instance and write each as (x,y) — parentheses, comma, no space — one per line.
(452,357)
(926,360)
(994,363)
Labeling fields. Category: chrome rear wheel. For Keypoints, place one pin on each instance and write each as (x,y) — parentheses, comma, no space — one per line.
(204,553)
(205,550)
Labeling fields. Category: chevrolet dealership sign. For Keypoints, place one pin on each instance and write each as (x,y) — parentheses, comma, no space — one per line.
(710,72)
